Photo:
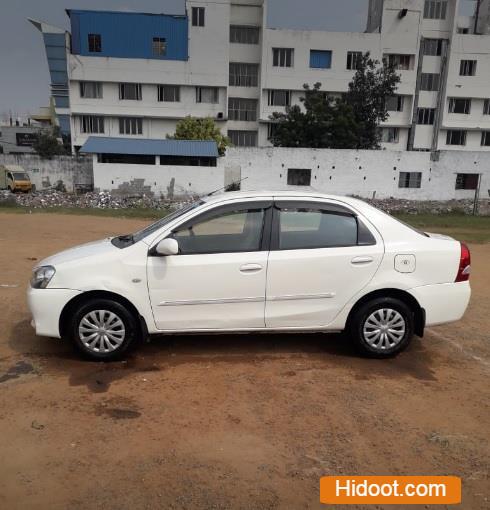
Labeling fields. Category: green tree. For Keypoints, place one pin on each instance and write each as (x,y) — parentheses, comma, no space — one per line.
(324,122)
(349,122)
(373,83)
(197,128)
(47,144)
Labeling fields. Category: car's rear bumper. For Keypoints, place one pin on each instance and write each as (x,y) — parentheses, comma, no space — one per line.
(46,306)
(444,302)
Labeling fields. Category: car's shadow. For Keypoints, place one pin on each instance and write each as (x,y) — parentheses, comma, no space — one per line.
(322,350)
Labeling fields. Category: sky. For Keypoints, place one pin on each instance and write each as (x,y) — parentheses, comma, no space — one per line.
(24,77)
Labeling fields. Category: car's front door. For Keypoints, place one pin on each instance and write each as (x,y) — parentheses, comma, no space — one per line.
(321,256)
(217,281)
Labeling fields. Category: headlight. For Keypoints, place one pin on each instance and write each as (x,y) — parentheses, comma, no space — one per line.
(41,276)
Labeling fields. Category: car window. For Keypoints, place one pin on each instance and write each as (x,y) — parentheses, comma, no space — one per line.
(230,231)
(314,228)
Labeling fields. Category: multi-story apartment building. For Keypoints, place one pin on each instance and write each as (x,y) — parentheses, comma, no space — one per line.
(135,74)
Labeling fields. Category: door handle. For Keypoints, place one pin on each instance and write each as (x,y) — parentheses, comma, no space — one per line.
(250,268)
(359,261)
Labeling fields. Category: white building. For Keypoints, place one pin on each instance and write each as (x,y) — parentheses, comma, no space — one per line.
(135,75)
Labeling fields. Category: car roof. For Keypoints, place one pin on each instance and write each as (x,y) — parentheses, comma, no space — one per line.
(237,195)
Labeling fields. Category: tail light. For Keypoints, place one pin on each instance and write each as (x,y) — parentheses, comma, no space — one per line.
(464,264)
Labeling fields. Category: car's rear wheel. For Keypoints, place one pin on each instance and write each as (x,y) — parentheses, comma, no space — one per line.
(382,327)
(103,329)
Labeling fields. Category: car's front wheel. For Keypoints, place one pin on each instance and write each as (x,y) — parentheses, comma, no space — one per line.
(103,329)
(382,327)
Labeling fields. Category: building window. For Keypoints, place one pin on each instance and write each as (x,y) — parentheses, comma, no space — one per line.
(187,161)
(242,109)
(126,159)
(168,93)
(244,35)
(429,81)
(320,59)
(467,68)
(435,9)
(279,97)
(207,95)
(456,137)
(390,135)
(459,105)
(486,107)
(130,91)
(130,126)
(485,138)
(425,116)
(244,75)
(91,89)
(198,16)
(271,131)
(399,62)
(159,46)
(94,43)
(354,59)
(282,57)
(299,176)
(394,104)
(467,181)
(91,124)
(410,180)
(243,138)
(432,47)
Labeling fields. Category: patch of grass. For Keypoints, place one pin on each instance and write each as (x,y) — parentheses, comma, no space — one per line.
(464,227)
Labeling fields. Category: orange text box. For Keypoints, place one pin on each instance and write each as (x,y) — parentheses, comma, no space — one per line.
(402,490)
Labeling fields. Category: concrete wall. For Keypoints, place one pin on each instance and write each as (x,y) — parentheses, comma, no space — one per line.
(45,173)
(344,172)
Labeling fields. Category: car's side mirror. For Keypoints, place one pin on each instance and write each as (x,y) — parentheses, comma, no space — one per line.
(167,246)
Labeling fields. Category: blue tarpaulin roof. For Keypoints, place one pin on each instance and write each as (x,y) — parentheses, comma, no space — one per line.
(107,145)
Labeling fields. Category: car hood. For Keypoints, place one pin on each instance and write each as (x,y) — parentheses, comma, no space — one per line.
(95,248)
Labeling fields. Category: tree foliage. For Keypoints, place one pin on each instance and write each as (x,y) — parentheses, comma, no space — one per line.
(47,144)
(200,128)
(347,122)
(368,91)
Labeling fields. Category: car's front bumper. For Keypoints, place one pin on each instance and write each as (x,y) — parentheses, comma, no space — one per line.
(445,302)
(46,306)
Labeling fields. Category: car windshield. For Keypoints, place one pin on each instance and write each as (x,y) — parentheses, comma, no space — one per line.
(141,234)
(20,176)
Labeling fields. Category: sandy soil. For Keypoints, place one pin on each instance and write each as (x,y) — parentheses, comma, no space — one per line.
(248,422)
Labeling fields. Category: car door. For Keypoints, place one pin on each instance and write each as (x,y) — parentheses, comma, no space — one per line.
(217,280)
(321,255)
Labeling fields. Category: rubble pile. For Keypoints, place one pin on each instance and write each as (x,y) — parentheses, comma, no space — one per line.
(106,200)
(99,200)
(399,205)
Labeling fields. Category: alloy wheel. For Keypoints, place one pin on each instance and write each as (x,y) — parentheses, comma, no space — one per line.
(101,331)
(384,328)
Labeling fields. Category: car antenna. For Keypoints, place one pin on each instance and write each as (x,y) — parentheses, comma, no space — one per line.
(224,187)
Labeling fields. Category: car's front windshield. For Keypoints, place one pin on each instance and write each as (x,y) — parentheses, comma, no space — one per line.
(20,176)
(150,229)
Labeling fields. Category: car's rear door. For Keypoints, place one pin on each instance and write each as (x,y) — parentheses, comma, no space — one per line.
(321,255)
(217,281)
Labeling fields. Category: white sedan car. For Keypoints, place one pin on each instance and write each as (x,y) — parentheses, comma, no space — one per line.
(255,262)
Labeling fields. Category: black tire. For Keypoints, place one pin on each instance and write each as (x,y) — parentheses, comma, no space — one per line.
(380,348)
(129,331)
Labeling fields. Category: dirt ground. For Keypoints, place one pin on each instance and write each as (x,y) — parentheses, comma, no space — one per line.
(228,422)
